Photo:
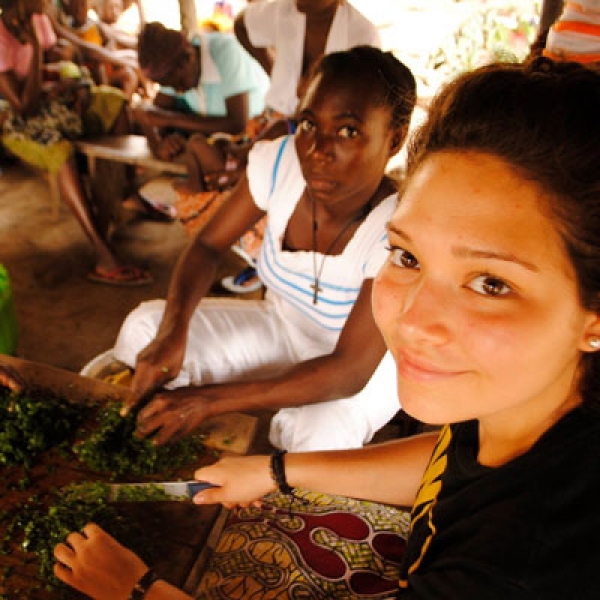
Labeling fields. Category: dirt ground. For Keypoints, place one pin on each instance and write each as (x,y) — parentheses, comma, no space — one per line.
(65,320)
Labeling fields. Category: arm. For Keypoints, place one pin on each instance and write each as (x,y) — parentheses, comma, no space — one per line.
(92,51)
(261,55)
(94,563)
(97,565)
(24,97)
(193,274)
(233,122)
(389,473)
(119,39)
(320,379)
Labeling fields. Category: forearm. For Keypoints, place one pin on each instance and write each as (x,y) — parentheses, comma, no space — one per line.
(389,473)
(193,123)
(192,277)
(317,380)
(93,51)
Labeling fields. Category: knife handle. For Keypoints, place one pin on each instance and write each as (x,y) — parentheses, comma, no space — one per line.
(197,486)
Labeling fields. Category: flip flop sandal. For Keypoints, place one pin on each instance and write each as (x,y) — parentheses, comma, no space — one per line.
(236,284)
(124,275)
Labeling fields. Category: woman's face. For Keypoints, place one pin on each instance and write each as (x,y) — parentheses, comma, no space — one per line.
(344,141)
(478,301)
(183,75)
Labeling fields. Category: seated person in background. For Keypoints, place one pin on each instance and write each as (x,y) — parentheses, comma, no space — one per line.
(130,18)
(299,32)
(222,86)
(89,52)
(110,13)
(44,119)
(93,32)
(311,346)
(494,247)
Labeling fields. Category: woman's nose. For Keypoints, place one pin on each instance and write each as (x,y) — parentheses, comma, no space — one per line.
(422,317)
(322,148)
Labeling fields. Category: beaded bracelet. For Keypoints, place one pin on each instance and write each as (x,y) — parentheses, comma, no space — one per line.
(143,585)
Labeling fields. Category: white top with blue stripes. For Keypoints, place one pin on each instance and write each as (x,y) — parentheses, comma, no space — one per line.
(287,275)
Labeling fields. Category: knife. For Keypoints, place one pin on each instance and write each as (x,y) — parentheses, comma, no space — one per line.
(139,492)
(153,491)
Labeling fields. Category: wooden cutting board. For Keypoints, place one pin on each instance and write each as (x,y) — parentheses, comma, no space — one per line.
(231,432)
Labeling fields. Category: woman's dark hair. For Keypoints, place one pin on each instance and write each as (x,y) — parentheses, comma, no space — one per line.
(371,66)
(543,119)
(160,49)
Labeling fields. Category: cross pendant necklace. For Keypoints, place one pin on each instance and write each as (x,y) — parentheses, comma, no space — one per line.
(315,287)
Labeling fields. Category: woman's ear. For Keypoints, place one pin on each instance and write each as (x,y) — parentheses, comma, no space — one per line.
(397,140)
(591,338)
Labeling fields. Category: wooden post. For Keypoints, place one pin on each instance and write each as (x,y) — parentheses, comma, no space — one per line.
(189,18)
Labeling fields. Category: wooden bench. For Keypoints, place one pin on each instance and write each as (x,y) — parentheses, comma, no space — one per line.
(126,149)
(107,158)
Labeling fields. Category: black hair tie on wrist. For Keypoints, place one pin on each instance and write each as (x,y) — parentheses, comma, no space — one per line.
(278,473)
(143,585)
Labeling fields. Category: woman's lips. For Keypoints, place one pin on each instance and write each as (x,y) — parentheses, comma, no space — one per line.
(416,369)
(319,184)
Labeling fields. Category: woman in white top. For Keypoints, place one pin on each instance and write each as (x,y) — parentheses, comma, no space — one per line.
(298,32)
(311,345)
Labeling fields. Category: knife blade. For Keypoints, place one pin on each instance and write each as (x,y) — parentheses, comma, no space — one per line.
(156,491)
(136,492)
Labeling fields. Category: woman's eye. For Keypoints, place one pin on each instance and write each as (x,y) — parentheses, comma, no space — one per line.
(305,125)
(488,285)
(348,132)
(403,259)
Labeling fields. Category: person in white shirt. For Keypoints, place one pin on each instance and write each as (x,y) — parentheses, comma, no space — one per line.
(310,349)
(298,32)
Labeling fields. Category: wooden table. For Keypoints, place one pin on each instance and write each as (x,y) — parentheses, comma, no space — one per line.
(187,532)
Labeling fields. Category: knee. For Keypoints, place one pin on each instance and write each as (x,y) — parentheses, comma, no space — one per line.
(317,427)
(141,324)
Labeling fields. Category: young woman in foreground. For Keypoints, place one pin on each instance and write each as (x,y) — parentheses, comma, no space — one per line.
(489,304)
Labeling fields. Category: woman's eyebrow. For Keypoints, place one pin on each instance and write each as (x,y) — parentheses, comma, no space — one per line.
(468,252)
(342,116)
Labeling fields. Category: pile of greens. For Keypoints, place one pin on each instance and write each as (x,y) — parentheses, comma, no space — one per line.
(37,528)
(31,425)
(113,448)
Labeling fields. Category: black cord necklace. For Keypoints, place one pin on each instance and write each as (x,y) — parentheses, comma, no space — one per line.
(364,211)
